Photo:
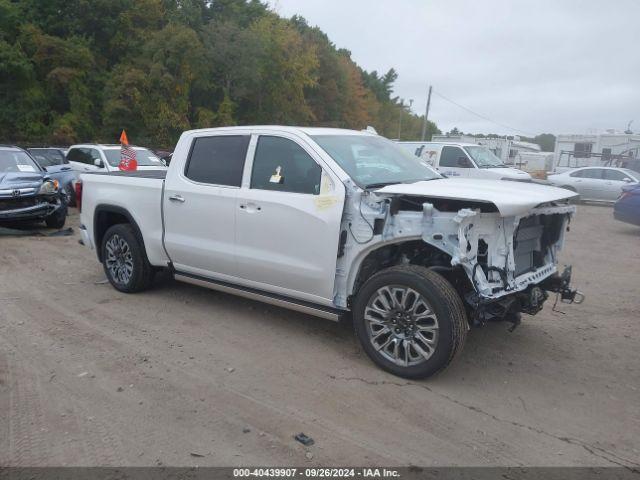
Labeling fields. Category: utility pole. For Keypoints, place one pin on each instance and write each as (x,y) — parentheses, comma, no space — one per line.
(426,115)
(400,118)
(401,111)
(628,131)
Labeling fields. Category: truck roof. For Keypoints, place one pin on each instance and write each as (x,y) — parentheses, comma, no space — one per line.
(283,128)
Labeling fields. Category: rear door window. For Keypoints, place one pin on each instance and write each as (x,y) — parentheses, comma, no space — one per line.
(594,173)
(80,155)
(218,160)
(588,173)
(281,164)
(615,175)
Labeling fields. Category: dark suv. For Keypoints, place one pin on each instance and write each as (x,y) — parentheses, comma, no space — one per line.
(54,161)
(27,192)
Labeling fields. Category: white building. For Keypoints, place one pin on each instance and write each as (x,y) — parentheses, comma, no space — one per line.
(596,149)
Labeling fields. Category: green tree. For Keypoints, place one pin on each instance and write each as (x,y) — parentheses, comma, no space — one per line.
(82,70)
(547,141)
(285,69)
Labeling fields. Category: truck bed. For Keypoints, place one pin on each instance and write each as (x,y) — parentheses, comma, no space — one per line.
(138,193)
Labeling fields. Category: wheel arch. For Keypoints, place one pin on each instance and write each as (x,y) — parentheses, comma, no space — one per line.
(391,253)
(106,216)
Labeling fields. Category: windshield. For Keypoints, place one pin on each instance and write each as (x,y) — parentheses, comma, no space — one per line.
(16,161)
(47,157)
(144,157)
(632,173)
(374,161)
(484,157)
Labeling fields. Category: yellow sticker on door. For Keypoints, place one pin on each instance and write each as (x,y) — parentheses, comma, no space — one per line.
(325,201)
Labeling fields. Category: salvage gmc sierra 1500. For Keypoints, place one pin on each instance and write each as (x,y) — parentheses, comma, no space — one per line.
(336,222)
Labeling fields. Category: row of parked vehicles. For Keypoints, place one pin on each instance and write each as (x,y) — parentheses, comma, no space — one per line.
(594,184)
(37,184)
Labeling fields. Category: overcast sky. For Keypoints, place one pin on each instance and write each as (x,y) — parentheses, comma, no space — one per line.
(559,66)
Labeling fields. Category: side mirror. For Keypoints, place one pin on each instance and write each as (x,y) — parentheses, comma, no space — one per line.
(463,162)
(98,163)
(627,180)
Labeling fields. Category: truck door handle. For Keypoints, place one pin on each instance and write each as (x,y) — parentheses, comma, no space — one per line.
(250,207)
(176,198)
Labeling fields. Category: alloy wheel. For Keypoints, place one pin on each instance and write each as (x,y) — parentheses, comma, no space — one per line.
(119,260)
(401,324)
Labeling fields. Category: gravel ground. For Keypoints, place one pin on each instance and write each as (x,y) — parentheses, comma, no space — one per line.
(180,375)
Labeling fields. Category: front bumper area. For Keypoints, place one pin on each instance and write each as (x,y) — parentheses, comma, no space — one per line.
(29,208)
(561,285)
(529,301)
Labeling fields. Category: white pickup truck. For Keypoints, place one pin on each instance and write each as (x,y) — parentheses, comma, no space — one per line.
(466,160)
(335,223)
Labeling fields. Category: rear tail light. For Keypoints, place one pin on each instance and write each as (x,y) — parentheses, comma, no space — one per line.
(78,187)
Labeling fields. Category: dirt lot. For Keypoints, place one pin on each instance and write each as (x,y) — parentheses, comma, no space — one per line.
(184,376)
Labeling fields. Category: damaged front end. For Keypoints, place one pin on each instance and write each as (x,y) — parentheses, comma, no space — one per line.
(511,262)
(31,203)
(502,264)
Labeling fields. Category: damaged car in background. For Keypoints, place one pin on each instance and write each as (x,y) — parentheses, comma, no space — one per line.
(336,223)
(27,193)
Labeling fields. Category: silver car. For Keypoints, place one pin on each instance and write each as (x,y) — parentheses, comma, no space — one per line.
(601,184)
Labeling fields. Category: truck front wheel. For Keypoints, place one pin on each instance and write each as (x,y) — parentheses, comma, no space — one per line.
(410,321)
(125,261)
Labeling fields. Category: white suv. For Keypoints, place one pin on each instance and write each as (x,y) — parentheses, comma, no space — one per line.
(106,158)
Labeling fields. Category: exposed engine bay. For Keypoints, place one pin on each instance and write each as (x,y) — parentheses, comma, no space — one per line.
(500,264)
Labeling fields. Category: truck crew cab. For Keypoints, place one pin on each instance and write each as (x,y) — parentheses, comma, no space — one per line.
(333,223)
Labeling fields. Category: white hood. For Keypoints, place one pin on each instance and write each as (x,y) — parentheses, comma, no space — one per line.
(510,173)
(511,198)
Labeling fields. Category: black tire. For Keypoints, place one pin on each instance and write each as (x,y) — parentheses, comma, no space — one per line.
(71,195)
(141,272)
(58,218)
(442,299)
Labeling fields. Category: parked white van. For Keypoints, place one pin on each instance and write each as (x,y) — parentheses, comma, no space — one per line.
(464,160)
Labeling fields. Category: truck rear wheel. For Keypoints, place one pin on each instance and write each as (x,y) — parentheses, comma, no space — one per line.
(410,321)
(125,261)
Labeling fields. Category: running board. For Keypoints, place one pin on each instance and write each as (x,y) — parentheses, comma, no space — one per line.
(262,296)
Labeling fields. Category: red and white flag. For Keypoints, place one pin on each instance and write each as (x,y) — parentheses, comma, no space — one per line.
(127,154)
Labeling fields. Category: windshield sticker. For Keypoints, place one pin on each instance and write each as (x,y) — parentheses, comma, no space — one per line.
(26,168)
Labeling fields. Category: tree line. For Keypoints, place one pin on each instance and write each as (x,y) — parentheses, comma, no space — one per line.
(82,70)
